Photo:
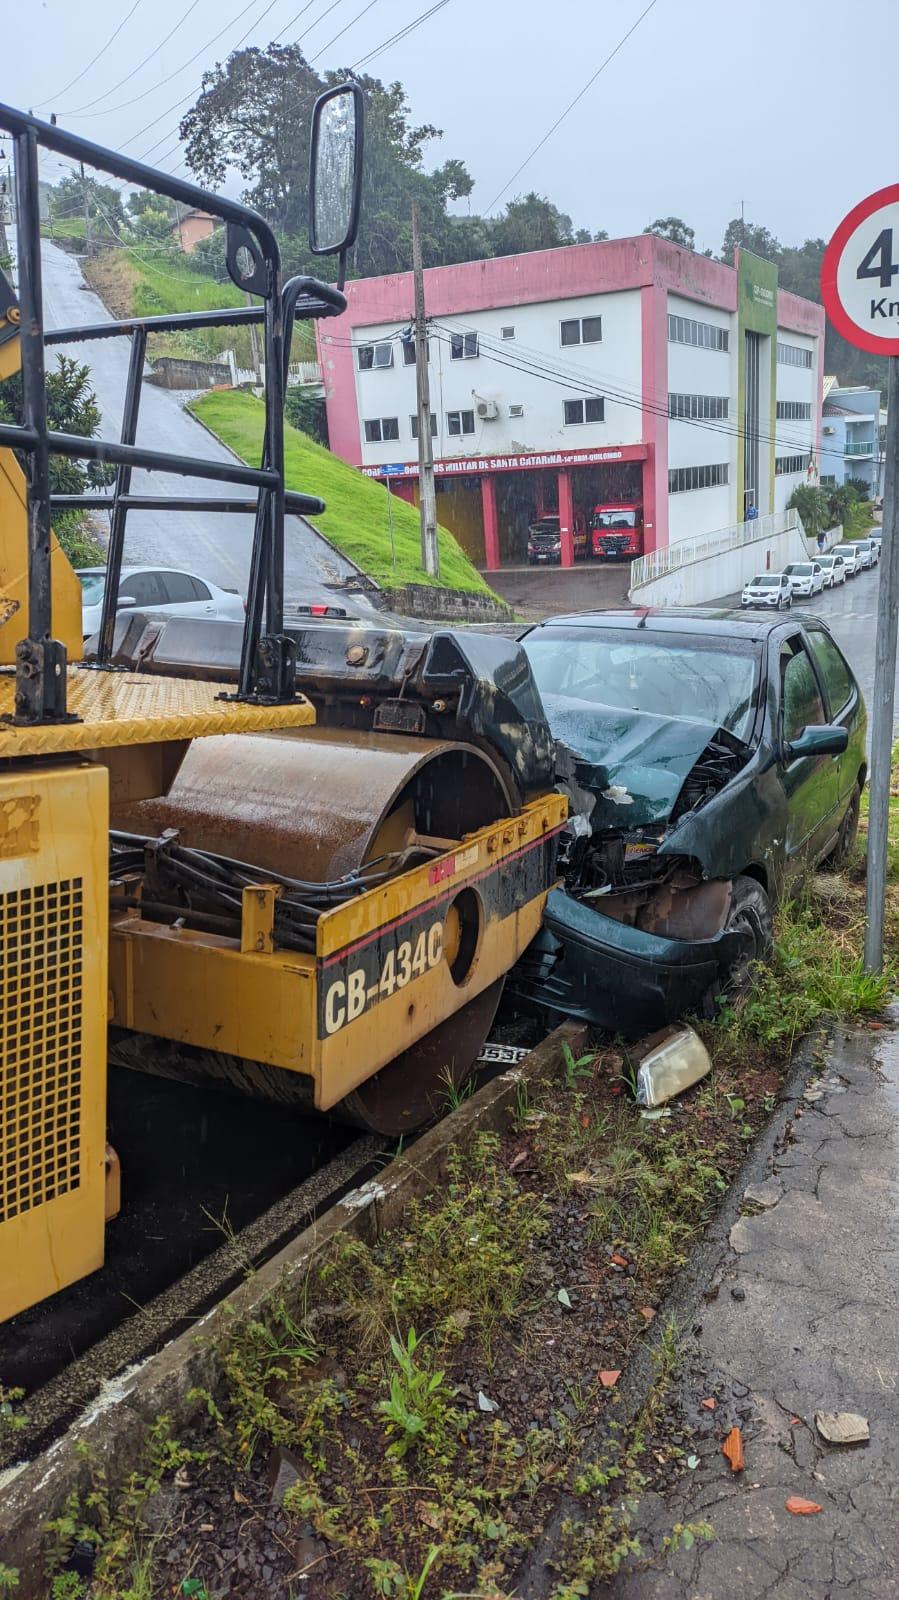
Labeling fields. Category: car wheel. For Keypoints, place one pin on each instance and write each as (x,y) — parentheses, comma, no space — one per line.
(842,850)
(750,914)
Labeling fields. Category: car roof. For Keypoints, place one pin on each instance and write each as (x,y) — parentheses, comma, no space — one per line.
(142,566)
(708,620)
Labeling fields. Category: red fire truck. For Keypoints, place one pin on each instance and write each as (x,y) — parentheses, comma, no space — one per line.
(616,532)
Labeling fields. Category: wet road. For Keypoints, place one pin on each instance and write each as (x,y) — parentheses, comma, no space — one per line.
(214,545)
(851,614)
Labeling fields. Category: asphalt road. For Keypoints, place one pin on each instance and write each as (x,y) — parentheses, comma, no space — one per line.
(214,545)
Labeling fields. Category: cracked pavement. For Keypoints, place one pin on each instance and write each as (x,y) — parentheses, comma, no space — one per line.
(813,1327)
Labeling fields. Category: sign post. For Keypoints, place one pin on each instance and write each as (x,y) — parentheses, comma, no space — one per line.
(860,289)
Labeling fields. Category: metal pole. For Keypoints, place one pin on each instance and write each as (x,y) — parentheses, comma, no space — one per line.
(884,689)
(34,394)
(430,554)
(122,487)
(87,213)
(390,520)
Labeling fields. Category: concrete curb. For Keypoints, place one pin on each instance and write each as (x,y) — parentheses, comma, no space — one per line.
(683,1306)
(112,1432)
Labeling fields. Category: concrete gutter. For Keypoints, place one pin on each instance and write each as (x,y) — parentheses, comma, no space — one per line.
(113,1430)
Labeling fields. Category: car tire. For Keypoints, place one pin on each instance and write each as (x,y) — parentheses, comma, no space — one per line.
(842,850)
(750,912)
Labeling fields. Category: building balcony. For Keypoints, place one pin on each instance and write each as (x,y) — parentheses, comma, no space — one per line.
(859,447)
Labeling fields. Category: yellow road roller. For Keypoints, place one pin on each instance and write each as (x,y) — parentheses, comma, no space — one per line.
(292,860)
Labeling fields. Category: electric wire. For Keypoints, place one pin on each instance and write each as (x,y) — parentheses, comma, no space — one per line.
(79,111)
(398,36)
(92,63)
(571,104)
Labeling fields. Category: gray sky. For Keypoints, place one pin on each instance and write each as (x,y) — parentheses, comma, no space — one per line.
(709,102)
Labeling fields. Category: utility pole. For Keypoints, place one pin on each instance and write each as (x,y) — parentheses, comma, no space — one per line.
(254,345)
(884,687)
(430,555)
(87,213)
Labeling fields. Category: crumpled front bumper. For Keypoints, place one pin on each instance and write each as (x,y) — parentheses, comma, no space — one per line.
(615,977)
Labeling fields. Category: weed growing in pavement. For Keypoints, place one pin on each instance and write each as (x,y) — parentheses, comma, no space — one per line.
(576,1069)
(9,1578)
(12,1418)
(257,1357)
(464,1261)
(455,1094)
(419,1409)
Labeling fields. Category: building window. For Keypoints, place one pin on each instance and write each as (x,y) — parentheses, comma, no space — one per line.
(516,411)
(581,330)
(409,351)
(703,335)
(507,333)
(697,405)
(374,355)
(785,465)
(463,346)
(458,422)
(828,480)
(591,410)
(382,428)
(414,422)
(793,355)
(680,479)
(793,410)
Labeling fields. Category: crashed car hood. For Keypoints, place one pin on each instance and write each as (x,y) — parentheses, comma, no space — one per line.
(647,756)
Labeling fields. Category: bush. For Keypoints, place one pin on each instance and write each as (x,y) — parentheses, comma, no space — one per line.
(306,412)
(840,502)
(862,489)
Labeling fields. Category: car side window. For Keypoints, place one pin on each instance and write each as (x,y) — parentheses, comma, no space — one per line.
(144,588)
(800,695)
(179,588)
(200,590)
(833,669)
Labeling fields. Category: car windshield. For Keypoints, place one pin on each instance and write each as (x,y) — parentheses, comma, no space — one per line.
(798,569)
(545,525)
(765,581)
(682,679)
(615,519)
(846,549)
(92,586)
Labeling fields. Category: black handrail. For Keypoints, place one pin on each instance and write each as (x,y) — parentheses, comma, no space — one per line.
(266,662)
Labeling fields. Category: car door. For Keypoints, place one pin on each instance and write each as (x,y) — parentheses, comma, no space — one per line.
(810,783)
(144,588)
(843,706)
(185,596)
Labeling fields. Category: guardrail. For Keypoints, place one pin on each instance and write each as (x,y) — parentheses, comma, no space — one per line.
(686,551)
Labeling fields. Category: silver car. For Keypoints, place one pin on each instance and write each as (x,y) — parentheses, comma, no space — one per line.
(806,578)
(768,589)
(869,551)
(163,591)
(848,554)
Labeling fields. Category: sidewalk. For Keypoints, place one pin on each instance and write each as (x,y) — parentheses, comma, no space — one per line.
(800,1315)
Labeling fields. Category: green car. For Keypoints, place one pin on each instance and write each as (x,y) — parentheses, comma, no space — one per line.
(716,753)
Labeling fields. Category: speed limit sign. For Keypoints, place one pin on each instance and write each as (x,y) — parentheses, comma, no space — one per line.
(860,274)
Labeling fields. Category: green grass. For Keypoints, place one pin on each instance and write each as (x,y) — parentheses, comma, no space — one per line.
(356,518)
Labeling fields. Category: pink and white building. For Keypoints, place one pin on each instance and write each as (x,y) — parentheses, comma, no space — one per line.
(629,370)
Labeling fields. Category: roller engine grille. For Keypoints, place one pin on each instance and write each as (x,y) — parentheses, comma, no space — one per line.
(41,950)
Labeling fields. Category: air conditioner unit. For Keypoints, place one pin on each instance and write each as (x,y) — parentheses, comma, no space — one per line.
(487,410)
(828,430)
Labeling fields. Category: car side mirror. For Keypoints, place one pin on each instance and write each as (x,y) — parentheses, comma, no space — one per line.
(124,601)
(335,172)
(828,739)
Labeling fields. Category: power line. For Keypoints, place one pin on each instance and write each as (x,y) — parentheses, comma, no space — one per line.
(396,37)
(111,40)
(343,30)
(572,103)
(78,111)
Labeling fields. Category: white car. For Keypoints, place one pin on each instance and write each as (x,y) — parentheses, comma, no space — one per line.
(834,570)
(768,589)
(849,556)
(806,578)
(869,550)
(161,591)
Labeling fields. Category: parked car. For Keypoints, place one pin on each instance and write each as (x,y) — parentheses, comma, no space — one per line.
(160,590)
(869,551)
(768,589)
(545,540)
(848,554)
(718,753)
(833,568)
(806,577)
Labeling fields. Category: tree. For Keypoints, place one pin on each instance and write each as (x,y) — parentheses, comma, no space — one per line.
(674,229)
(306,412)
(71,408)
(813,507)
(104,203)
(748,236)
(530,222)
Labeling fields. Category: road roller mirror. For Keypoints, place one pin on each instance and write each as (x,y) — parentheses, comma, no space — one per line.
(335,177)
